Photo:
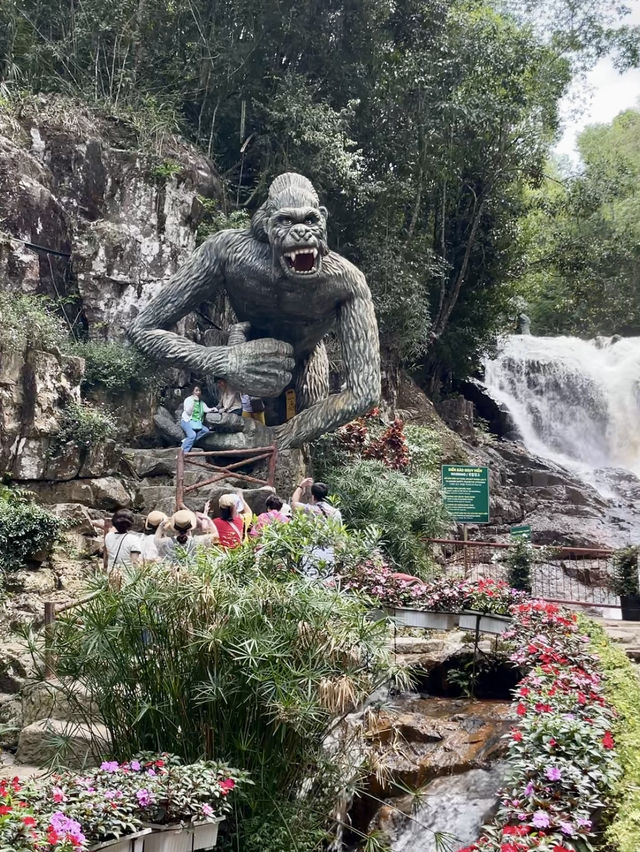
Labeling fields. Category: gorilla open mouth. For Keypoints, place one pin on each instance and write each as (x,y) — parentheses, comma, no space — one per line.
(302,261)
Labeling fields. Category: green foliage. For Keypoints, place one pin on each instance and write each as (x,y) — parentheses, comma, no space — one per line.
(581,235)
(29,321)
(165,170)
(625,571)
(83,424)
(404,509)
(519,559)
(425,449)
(214,219)
(116,367)
(25,529)
(623,692)
(298,826)
(236,656)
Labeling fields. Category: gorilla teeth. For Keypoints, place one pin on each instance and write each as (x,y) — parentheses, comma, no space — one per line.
(305,255)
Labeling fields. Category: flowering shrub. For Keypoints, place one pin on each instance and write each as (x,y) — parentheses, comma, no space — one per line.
(375,578)
(70,811)
(390,447)
(22,829)
(561,757)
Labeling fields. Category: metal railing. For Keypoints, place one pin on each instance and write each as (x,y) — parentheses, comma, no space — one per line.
(247,456)
(580,576)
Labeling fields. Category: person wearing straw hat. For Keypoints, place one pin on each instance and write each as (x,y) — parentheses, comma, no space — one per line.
(176,549)
(148,546)
(230,526)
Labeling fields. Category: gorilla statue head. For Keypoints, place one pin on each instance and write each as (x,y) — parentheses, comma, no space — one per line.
(295,224)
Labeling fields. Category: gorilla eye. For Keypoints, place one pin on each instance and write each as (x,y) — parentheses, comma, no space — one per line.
(311,220)
(285,220)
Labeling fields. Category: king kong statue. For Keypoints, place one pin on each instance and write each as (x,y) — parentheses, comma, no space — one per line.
(287,290)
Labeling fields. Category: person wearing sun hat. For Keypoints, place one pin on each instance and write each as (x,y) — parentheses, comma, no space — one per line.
(175,549)
(148,546)
(230,526)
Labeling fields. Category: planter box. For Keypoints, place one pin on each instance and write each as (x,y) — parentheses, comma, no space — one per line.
(129,843)
(488,623)
(204,834)
(420,618)
(630,606)
(168,838)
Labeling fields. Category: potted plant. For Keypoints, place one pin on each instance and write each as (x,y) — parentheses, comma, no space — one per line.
(625,582)
(103,803)
(484,622)
(187,804)
(23,827)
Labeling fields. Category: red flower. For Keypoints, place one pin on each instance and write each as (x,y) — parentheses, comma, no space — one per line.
(608,741)
(560,848)
(517,736)
(4,810)
(52,836)
(524,691)
(28,821)
(553,742)
(517,830)
(521,710)
(227,785)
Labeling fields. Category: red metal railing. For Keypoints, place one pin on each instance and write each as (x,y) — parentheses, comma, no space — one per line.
(573,575)
(247,456)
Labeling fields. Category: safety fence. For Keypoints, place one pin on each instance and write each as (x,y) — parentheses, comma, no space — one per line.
(203,459)
(572,575)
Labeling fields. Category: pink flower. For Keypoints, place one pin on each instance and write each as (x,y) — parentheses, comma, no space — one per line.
(135,765)
(145,798)
(207,810)
(540,819)
(553,773)
(58,795)
(110,766)
(227,785)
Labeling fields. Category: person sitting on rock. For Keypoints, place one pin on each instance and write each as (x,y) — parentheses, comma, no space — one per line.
(148,546)
(123,546)
(176,549)
(229,401)
(192,420)
(317,503)
(273,515)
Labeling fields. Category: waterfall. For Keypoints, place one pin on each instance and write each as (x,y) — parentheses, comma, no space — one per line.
(576,402)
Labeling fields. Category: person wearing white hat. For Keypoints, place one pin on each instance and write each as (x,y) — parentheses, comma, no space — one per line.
(183,545)
(148,546)
(230,526)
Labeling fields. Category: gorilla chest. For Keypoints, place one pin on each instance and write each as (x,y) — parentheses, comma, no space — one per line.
(300,313)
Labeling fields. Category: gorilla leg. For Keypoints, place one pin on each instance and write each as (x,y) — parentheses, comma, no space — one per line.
(311,381)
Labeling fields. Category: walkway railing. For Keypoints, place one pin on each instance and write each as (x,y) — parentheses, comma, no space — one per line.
(572,575)
(247,456)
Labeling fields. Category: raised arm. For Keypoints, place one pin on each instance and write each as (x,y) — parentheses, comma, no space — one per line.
(260,367)
(358,334)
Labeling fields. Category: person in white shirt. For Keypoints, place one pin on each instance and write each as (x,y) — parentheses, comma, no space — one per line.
(148,548)
(192,420)
(123,546)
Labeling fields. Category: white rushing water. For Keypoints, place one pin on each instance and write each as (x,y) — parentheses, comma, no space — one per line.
(576,402)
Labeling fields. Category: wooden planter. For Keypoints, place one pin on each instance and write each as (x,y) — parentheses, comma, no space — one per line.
(489,623)
(204,834)
(128,843)
(421,618)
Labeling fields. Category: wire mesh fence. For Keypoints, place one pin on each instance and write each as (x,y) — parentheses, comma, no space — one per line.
(572,575)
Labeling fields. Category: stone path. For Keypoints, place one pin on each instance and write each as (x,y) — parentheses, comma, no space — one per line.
(625,633)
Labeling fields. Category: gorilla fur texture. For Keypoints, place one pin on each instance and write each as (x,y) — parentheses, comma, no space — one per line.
(287,290)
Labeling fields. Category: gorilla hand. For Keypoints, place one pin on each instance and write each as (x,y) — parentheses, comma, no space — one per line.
(259,367)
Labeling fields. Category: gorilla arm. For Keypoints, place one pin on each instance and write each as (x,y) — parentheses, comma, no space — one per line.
(259,367)
(358,335)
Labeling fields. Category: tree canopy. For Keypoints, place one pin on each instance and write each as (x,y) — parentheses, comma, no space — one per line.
(423,123)
(582,238)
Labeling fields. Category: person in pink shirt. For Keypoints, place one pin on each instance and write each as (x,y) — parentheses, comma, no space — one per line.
(273,515)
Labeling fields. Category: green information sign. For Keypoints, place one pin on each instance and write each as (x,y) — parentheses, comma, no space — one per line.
(521,531)
(466,492)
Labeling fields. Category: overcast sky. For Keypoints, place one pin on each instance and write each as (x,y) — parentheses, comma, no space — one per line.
(608,93)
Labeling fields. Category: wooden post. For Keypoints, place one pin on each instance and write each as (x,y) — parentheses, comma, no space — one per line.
(271,476)
(105,555)
(180,479)
(465,539)
(49,626)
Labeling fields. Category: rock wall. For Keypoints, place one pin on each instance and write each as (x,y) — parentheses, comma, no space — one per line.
(119,220)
